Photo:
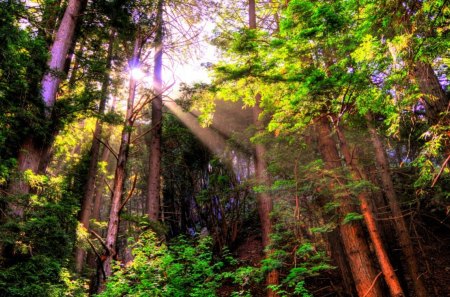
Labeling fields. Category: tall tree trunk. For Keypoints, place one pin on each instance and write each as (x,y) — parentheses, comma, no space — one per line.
(264,200)
(89,191)
(339,256)
(63,40)
(399,222)
(120,172)
(356,248)
(50,13)
(154,183)
(29,155)
(369,218)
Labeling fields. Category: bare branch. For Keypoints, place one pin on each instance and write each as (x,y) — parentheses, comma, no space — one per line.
(129,194)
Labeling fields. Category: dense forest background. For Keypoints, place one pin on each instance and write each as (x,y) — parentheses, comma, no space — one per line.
(313,162)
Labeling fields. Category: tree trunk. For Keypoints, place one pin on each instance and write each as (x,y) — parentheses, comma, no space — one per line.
(120,172)
(28,159)
(356,248)
(154,183)
(435,98)
(338,255)
(63,40)
(400,225)
(29,156)
(264,199)
(369,218)
(89,191)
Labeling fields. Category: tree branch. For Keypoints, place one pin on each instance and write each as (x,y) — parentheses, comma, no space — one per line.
(129,194)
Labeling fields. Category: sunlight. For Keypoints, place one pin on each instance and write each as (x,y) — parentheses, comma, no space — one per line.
(210,138)
(137,73)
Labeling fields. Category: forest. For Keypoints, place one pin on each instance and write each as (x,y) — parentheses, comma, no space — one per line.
(203,148)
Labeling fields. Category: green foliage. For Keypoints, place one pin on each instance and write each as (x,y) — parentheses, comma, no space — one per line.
(37,249)
(22,62)
(183,269)
(352,216)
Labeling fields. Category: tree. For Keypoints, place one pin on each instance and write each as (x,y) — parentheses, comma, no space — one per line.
(154,183)
(120,171)
(29,155)
(89,191)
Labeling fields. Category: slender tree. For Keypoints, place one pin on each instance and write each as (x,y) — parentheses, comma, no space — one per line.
(355,245)
(154,183)
(89,191)
(122,158)
(369,218)
(264,200)
(404,238)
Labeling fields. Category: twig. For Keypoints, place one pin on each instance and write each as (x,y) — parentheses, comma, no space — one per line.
(99,259)
(108,147)
(440,171)
(107,184)
(395,218)
(129,194)
(373,284)
(101,241)
(93,248)
(145,133)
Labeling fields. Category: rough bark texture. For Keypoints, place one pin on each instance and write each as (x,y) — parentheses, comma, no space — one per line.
(399,222)
(338,255)
(436,100)
(28,159)
(32,150)
(59,50)
(154,183)
(89,191)
(356,248)
(120,172)
(369,218)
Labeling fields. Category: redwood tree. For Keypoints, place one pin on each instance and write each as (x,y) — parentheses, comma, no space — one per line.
(154,183)
(32,149)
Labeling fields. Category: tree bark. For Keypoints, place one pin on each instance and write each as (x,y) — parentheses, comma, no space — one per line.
(434,97)
(399,222)
(154,183)
(120,172)
(89,191)
(264,200)
(369,218)
(356,248)
(63,40)
(31,151)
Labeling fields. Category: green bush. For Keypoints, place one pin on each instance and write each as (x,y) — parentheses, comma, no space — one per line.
(184,269)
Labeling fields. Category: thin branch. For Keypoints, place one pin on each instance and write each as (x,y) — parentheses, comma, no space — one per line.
(101,241)
(144,133)
(93,248)
(98,257)
(129,194)
(107,184)
(440,171)
(373,284)
(108,147)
